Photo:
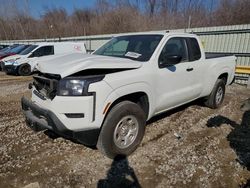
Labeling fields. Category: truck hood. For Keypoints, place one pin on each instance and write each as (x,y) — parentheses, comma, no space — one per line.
(68,64)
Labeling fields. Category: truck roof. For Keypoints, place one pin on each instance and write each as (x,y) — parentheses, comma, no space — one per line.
(55,43)
(164,32)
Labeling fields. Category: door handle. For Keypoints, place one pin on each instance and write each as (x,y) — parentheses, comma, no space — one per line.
(190,69)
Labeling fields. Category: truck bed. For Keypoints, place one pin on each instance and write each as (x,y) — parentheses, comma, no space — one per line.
(210,55)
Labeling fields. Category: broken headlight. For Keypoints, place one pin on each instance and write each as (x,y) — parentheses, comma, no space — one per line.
(76,86)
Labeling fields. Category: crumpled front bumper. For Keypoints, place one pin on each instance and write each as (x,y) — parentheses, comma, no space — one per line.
(40,119)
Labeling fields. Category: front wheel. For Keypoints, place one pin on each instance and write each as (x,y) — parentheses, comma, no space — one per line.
(216,97)
(24,70)
(122,130)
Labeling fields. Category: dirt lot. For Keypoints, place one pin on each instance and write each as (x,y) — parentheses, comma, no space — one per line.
(192,146)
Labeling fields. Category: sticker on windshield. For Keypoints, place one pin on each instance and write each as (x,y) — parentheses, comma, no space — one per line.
(133,55)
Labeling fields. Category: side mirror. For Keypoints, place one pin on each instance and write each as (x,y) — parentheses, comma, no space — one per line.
(169,60)
(31,55)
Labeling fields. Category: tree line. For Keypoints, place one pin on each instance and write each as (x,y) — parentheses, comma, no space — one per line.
(117,16)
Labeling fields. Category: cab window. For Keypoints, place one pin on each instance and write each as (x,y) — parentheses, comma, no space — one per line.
(175,47)
(194,49)
(43,51)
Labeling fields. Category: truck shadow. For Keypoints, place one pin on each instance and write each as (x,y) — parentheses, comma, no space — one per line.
(119,175)
(239,137)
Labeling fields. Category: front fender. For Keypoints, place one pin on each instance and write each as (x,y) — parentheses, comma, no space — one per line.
(130,89)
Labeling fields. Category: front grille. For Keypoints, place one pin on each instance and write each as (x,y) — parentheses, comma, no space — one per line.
(8,68)
(46,84)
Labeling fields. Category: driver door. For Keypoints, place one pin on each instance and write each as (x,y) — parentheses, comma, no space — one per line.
(174,81)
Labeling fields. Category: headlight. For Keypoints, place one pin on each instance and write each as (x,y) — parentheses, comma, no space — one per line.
(15,63)
(71,87)
(76,86)
(8,63)
(11,62)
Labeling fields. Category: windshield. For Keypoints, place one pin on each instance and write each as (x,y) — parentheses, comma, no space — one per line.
(136,47)
(7,49)
(18,49)
(28,50)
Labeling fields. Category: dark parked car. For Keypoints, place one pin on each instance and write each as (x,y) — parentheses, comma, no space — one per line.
(2,46)
(9,48)
(12,50)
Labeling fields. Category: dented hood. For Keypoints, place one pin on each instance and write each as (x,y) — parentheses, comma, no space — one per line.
(68,64)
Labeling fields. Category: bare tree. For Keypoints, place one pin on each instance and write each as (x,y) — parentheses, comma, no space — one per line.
(119,16)
(152,5)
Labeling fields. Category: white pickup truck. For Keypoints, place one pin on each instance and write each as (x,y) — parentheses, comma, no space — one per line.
(104,99)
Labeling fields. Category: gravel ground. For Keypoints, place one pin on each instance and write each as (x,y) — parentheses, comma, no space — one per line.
(192,146)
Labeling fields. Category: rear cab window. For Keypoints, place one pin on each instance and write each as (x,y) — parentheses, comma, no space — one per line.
(193,49)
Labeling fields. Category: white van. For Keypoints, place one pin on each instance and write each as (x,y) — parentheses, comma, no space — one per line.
(23,63)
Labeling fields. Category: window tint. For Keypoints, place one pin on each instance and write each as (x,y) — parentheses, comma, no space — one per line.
(48,50)
(45,50)
(175,46)
(194,49)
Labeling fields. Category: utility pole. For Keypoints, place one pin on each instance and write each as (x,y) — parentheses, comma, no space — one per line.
(189,21)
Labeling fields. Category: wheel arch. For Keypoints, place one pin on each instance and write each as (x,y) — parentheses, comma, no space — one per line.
(141,98)
(211,80)
(22,65)
(224,76)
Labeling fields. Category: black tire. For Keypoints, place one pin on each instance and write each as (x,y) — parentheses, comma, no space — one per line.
(24,70)
(108,142)
(213,100)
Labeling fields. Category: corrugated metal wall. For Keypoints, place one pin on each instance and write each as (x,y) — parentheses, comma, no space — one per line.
(228,39)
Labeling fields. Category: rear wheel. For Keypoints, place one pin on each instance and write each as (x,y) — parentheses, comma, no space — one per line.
(216,97)
(122,130)
(24,70)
